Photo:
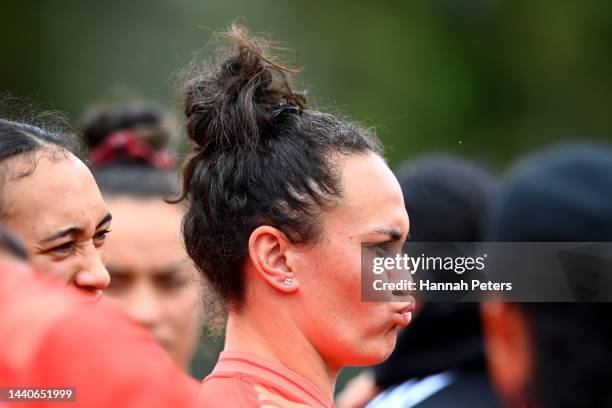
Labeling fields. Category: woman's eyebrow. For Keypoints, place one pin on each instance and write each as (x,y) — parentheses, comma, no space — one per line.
(169,270)
(62,233)
(393,233)
(75,230)
(104,220)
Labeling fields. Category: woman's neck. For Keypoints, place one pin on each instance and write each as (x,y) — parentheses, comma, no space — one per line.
(275,338)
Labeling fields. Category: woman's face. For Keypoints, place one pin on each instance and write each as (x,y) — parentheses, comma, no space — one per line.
(151,275)
(343,329)
(60,217)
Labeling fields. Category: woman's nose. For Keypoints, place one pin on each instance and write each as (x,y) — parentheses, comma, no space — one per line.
(93,276)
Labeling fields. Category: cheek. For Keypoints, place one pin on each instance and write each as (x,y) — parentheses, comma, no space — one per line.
(361,330)
(63,270)
(338,269)
(361,337)
(333,282)
(373,336)
(102,254)
(184,315)
(184,310)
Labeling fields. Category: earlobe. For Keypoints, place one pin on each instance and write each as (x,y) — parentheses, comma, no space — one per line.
(268,251)
(288,281)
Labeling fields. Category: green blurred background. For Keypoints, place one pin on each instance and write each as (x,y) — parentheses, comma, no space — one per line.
(488,79)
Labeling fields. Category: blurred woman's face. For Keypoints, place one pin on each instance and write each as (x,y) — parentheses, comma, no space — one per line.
(151,274)
(343,329)
(59,215)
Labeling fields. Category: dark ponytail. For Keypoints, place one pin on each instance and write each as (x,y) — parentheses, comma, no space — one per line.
(261,158)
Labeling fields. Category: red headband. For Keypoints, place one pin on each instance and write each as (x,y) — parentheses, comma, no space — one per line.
(126,144)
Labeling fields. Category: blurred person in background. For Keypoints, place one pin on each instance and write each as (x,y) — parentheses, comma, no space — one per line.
(151,274)
(52,204)
(554,355)
(439,359)
(281,199)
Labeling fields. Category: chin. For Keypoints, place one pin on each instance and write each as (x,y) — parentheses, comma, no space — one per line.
(370,359)
(387,344)
(374,353)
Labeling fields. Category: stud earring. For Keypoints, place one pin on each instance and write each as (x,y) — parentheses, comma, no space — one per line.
(288,281)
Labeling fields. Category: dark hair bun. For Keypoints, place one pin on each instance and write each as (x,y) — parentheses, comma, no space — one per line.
(236,101)
(148,120)
(260,159)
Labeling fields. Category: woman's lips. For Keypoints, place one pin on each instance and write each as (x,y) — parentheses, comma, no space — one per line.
(403,317)
(407,317)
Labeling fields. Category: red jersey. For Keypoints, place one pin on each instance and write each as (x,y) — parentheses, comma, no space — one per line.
(240,380)
(53,336)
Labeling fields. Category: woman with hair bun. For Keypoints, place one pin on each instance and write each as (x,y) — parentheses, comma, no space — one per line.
(280,200)
(151,275)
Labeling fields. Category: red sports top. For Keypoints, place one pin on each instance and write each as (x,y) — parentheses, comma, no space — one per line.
(53,336)
(241,380)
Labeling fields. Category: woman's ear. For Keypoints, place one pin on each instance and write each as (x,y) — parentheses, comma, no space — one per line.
(268,250)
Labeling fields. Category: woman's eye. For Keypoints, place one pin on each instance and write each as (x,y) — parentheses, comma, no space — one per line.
(101,235)
(63,249)
(381,249)
(170,284)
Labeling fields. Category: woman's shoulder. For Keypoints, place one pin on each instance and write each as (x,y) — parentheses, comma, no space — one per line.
(222,391)
(240,390)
